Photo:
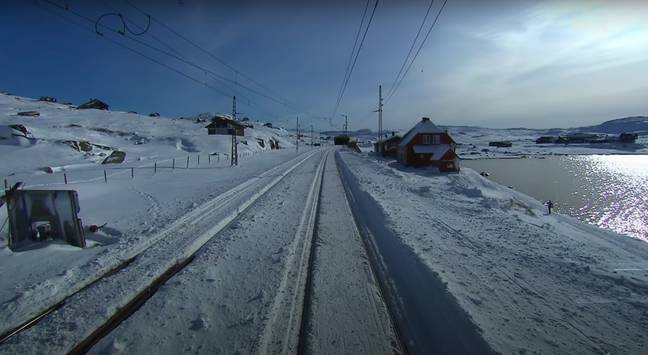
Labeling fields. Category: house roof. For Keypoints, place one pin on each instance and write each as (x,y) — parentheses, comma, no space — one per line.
(392,138)
(437,150)
(224,119)
(424,126)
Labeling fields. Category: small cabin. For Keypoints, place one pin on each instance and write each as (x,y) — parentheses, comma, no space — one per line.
(500,144)
(628,137)
(427,145)
(388,147)
(94,104)
(225,126)
(546,139)
(47,99)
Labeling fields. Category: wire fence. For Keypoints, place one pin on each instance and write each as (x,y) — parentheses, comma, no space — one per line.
(104,173)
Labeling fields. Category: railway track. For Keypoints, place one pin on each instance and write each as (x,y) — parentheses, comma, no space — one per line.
(129,287)
(133,280)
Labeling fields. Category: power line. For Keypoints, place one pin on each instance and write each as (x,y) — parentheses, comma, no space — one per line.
(418,50)
(353,50)
(407,57)
(127,47)
(172,55)
(210,54)
(153,36)
(348,77)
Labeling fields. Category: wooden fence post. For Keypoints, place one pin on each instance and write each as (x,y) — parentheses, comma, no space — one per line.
(132,172)
(173,164)
(105,177)
(6,184)
(209,159)
(155,168)
(198,159)
(65,178)
(187,162)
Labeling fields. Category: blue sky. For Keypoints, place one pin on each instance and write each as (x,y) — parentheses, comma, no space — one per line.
(487,63)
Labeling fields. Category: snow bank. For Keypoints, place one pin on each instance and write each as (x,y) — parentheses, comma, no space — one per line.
(134,208)
(531,282)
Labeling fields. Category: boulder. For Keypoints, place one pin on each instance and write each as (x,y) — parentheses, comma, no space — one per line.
(29,113)
(116,157)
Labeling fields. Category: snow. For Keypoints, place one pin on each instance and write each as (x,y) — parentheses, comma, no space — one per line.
(137,210)
(348,314)
(437,150)
(425,126)
(473,143)
(531,282)
(228,289)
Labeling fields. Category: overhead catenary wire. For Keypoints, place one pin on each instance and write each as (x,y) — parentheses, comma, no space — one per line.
(436,19)
(149,33)
(353,50)
(355,59)
(172,55)
(210,54)
(133,50)
(411,49)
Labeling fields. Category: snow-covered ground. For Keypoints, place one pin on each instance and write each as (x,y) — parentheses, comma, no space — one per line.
(473,141)
(136,210)
(530,282)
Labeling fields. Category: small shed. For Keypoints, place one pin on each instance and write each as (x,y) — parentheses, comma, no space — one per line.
(388,147)
(500,144)
(546,139)
(95,104)
(427,145)
(47,99)
(226,126)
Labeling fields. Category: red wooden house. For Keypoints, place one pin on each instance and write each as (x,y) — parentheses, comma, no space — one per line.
(427,145)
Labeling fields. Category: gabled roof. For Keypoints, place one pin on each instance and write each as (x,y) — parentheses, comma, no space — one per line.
(389,139)
(224,119)
(424,126)
(437,151)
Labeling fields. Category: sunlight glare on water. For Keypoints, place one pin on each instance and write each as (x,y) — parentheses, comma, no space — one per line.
(610,191)
(617,187)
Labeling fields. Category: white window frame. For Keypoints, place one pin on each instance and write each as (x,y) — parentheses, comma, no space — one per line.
(426,139)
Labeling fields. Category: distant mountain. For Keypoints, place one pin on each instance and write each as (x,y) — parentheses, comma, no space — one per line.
(637,124)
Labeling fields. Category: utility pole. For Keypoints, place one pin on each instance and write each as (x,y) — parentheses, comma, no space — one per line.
(234,152)
(297,141)
(346,124)
(312,137)
(380,111)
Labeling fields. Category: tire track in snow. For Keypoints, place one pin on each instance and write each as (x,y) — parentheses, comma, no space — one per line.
(282,332)
(68,306)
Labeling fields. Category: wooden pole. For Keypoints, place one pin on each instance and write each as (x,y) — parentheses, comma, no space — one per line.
(209,159)
(187,162)
(132,172)
(155,168)
(198,159)
(105,177)
(6,184)
(173,164)
(65,178)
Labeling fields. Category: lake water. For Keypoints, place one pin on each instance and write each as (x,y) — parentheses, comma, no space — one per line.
(610,191)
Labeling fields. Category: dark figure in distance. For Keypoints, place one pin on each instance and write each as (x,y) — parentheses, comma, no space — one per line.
(549,206)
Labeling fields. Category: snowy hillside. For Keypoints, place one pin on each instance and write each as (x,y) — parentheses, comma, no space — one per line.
(62,136)
(65,144)
(531,282)
(638,124)
(474,140)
